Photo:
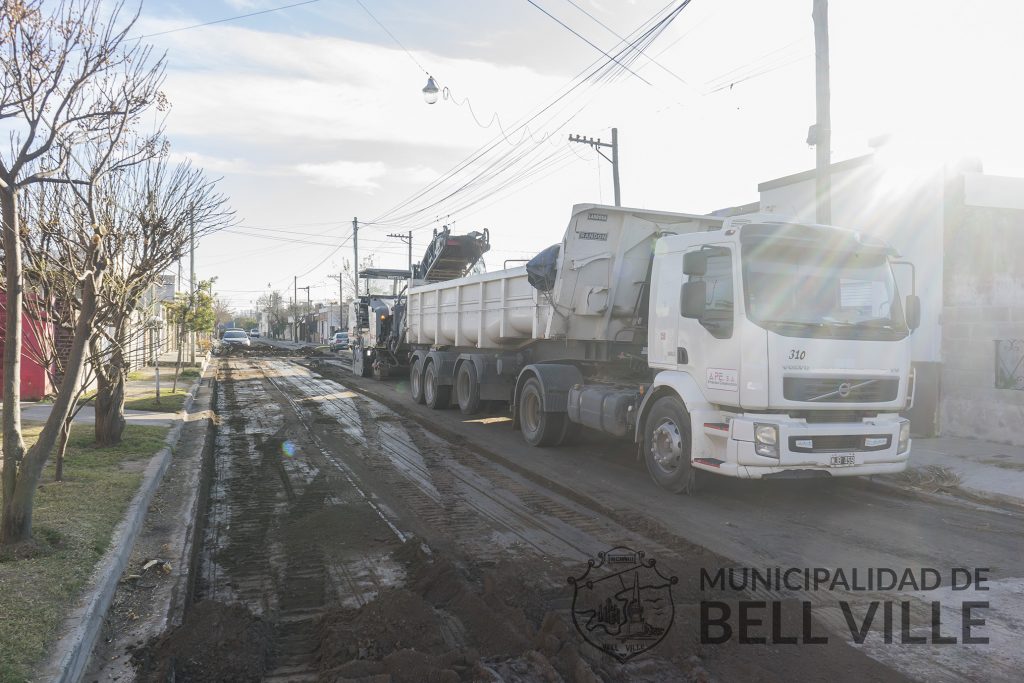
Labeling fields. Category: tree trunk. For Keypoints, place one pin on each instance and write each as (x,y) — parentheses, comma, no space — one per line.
(109,404)
(177,365)
(17,519)
(109,408)
(13,524)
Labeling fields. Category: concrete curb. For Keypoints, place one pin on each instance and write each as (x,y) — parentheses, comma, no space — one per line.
(961,495)
(198,488)
(82,627)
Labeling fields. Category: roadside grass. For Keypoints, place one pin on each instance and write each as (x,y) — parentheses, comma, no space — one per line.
(73,522)
(169,403)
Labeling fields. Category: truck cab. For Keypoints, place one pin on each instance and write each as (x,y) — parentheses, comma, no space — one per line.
(780,350)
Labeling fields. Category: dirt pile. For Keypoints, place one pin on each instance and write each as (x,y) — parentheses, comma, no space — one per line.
(448,626)
(217,642)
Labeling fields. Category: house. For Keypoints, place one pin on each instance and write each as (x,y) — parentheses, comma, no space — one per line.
(964,232)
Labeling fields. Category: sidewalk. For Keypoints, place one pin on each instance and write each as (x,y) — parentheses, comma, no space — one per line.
(979,469)
(134,388)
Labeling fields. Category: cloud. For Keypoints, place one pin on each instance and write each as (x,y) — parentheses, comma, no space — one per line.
(362,176)
(350,175)
(244,5)
(238,84)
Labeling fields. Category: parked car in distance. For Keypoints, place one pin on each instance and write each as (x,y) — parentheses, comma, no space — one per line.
(238,337)
(254,333)
(339,341)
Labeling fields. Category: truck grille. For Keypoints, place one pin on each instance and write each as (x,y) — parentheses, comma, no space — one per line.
(833,443)
(839,390)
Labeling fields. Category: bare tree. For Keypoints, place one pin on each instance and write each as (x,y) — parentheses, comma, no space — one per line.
(69,80)
(50,313)
(273,305)
(154,210)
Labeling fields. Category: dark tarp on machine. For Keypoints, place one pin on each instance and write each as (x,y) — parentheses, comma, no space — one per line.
(542,269)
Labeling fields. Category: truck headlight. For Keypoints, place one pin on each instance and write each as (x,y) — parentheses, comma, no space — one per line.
(904,443)
(766,440)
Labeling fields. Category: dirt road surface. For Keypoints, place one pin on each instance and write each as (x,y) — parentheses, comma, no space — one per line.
(353,534)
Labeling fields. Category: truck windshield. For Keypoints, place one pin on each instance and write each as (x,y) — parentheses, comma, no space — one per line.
(801,291)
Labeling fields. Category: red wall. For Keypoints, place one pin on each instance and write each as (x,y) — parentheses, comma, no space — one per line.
(35,383)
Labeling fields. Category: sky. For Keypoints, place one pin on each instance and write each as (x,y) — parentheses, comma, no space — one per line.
(313,115)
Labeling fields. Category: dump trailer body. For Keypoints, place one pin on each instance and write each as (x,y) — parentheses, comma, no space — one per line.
(603,269)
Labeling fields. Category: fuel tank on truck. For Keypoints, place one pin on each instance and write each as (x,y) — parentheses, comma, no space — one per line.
(601,277)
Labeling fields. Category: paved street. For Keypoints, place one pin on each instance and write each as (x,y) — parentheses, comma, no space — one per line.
(323,481)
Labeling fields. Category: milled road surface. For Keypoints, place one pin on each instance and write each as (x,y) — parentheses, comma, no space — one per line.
(837,524)
(336,499)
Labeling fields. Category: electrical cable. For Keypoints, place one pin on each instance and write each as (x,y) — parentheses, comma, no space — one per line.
(590,74)
(226,19)
(584,39)
(650,59)
(397,41)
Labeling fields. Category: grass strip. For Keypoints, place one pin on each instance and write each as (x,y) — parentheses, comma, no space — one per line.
(73,522)
(169,403)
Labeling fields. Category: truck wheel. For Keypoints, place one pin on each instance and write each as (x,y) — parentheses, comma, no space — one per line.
(667,445)
(467,389)
(435,395)
(539,428)
(416,381)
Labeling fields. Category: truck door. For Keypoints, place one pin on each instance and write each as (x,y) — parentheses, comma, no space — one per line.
(663,326)
(709,346)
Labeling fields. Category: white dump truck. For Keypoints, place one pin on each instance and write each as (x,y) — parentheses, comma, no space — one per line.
(746,346)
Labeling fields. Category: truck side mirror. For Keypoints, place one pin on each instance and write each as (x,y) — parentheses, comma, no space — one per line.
(912,311)
(692,299)
(695,263)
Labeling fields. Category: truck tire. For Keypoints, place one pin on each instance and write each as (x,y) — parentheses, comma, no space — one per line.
(467,389)
(667,443)
(416,381)
(435,395)
(539,428)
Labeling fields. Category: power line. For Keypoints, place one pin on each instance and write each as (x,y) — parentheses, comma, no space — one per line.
(595,73)
(226,19)
(615,33)
(392,35)
(585,40)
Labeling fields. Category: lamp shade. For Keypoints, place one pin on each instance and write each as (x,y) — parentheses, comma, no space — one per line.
(430,91)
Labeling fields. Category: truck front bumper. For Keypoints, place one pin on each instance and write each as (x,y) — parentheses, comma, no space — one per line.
(802,449)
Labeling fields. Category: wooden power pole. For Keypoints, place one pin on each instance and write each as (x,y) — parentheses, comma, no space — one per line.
(823,126)
(597,145)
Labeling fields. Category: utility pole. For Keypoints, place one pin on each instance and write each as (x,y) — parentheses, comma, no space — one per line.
(355,248)
(295,309)
(597,145)
(823,127)
(307,307)
(341,298)
(408,240)
(192,284)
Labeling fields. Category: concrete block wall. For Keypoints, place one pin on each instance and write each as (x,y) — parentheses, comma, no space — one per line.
(983,302)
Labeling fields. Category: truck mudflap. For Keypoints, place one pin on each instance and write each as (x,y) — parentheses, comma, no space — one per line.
(555,379)
(777,446)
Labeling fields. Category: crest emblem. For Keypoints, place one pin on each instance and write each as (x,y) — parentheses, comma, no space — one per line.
(622,604)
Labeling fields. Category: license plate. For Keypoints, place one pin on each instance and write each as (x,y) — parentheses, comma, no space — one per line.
(843,460)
